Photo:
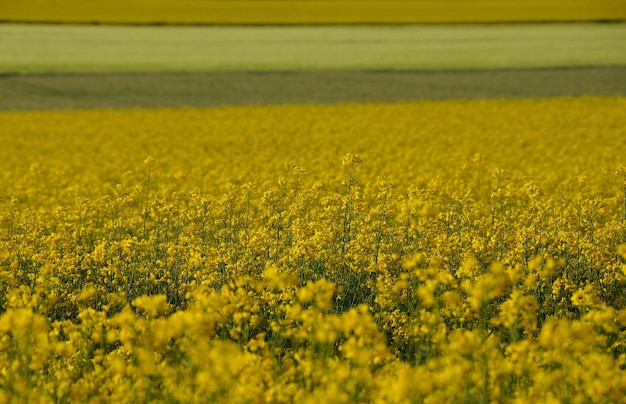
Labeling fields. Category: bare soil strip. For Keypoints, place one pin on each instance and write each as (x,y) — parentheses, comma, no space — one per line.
(171,89)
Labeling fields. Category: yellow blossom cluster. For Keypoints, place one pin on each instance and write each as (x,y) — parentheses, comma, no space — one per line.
(458,251)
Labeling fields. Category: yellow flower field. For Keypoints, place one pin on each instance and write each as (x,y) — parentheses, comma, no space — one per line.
(456,251)
(309,11)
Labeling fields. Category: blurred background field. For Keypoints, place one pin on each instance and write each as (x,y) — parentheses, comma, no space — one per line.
(310,11)
(201,89)
(71,66)
(78,54)
(51,48)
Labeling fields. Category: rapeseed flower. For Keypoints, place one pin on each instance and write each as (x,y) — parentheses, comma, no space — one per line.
(254,263)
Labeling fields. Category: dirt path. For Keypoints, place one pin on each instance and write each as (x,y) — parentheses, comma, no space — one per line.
(87,91)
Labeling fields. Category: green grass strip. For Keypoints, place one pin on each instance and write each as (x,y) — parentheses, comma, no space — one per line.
(309,11)
(61,48)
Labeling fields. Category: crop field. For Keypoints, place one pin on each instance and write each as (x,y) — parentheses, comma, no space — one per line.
(201,89)
(312,201)
(58,48)
(293,12)
(429,251)
(59,67)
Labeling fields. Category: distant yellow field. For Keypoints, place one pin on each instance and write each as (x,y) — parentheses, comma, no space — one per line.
(309,12)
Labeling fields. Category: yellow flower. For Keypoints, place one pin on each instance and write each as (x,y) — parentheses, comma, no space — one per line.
(519,311)
(153,305)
